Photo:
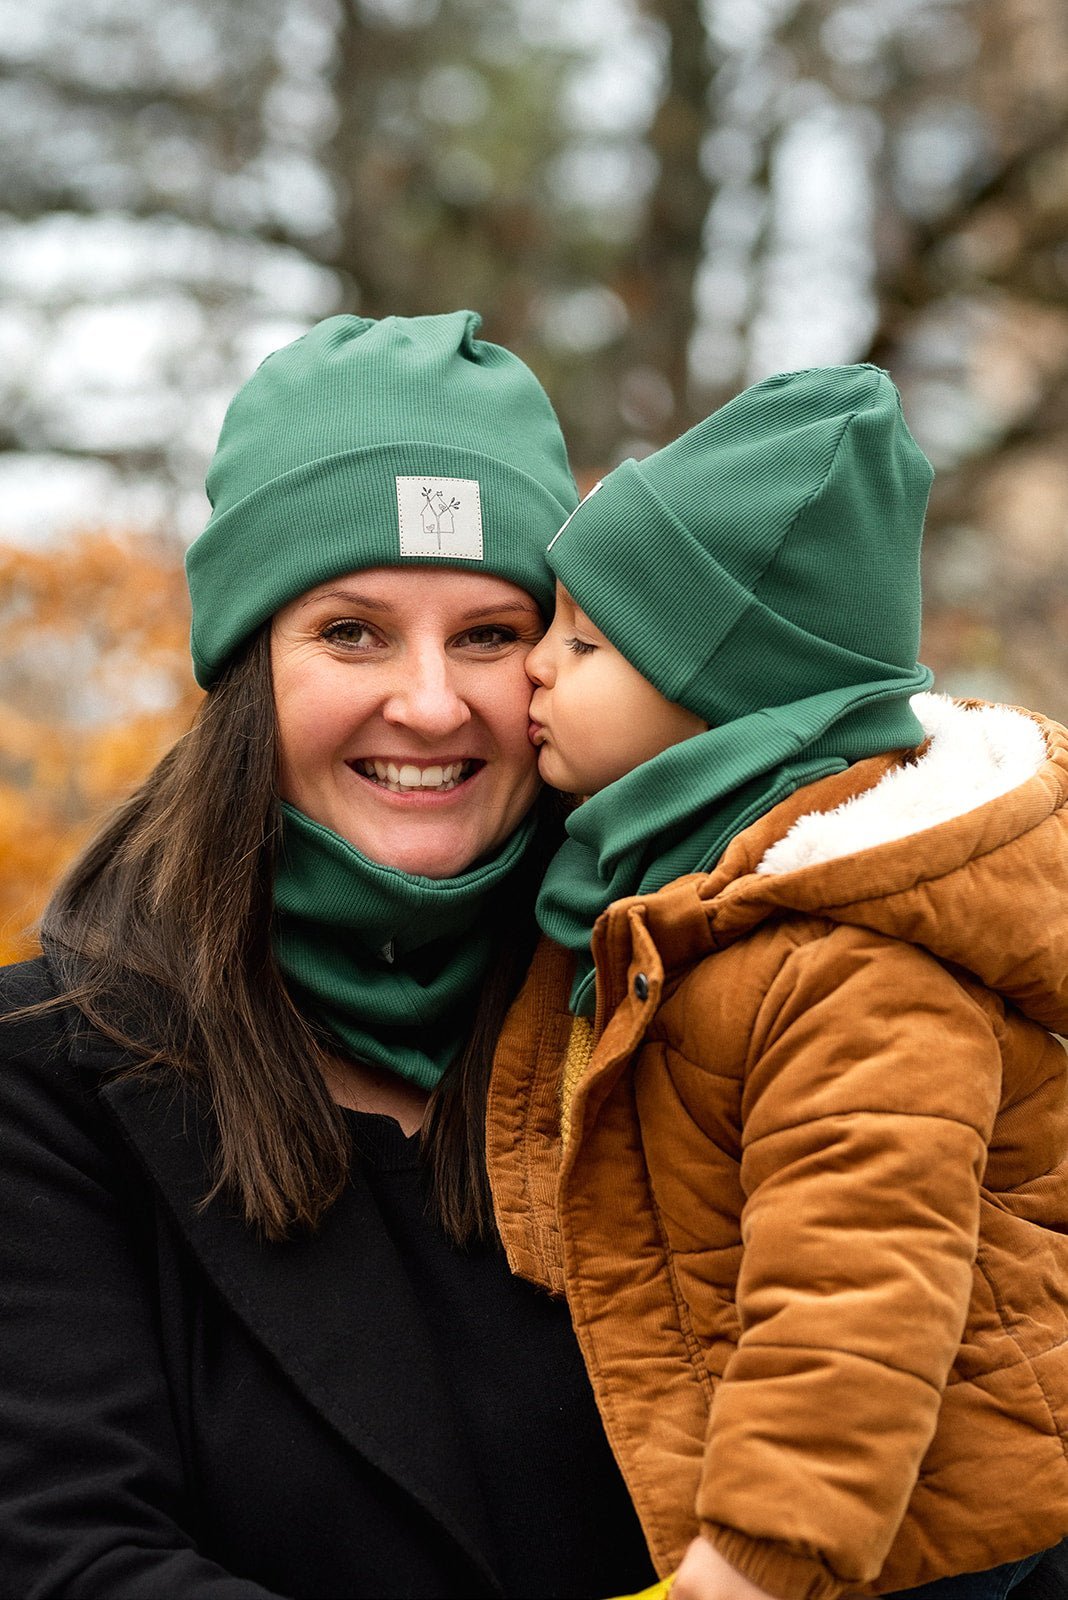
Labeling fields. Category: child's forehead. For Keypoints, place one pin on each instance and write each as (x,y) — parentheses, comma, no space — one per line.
(570,605)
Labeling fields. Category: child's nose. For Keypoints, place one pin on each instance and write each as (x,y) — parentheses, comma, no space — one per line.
(538,663)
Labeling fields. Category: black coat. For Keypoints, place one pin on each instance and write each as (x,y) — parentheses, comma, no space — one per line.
(273,1406)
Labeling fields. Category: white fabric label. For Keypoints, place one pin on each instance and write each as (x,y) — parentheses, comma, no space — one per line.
(440,517)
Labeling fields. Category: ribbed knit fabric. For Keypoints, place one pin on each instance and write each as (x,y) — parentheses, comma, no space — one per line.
(391,963)
(769,554)
(579,1051)
(763,571)
(323,443)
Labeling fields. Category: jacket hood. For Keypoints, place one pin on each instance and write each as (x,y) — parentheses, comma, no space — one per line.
(960,847)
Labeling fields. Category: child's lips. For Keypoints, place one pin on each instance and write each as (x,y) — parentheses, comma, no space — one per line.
(536,733)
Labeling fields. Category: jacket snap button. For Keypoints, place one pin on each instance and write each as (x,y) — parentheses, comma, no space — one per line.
(641,986)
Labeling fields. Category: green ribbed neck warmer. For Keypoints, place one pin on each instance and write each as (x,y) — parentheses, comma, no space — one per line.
(389,962)
(677,813)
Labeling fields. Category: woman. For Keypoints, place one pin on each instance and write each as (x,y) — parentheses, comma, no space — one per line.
(260,1340)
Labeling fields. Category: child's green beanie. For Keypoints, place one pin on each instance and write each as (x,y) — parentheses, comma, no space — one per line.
(769,554)
(375,443)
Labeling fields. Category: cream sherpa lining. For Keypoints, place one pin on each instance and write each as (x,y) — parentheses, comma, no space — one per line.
(975,754)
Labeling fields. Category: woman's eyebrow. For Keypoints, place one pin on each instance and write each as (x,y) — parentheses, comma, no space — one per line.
(370,602)
(351,597)
(508,608)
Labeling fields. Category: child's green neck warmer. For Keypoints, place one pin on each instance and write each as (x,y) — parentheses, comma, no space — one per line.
(677,813)
(389,962)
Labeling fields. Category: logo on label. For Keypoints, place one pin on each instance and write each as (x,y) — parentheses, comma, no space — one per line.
(440,517)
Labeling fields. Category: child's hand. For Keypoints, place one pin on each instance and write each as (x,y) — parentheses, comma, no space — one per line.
(705,1575)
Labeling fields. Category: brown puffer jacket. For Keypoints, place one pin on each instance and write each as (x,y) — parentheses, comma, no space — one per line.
(812,1211)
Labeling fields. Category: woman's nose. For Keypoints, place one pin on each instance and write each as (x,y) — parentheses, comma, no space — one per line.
(426,696)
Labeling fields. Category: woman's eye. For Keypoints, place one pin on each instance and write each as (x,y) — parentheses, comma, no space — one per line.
(490,637)
(579,647)
(350,634)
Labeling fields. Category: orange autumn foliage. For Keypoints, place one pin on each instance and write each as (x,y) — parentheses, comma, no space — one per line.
(95,684)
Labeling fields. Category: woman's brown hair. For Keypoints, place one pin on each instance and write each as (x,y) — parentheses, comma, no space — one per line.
(163,929)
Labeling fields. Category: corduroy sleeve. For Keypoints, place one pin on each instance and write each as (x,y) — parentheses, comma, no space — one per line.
(91,1481)
(871,1088)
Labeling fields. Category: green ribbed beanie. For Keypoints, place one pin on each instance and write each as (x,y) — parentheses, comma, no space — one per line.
(375,443)
(769,554)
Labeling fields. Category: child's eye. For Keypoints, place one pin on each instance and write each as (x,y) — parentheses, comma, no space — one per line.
(579,647)
(349,633)
(490,637)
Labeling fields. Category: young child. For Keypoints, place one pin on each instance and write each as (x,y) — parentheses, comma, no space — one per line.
(808,1194)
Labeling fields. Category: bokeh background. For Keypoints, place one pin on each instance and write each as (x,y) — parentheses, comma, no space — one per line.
(655,202)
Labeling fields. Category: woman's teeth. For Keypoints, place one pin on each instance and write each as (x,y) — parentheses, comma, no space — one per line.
(405,779)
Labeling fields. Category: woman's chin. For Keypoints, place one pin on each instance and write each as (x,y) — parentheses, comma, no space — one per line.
(429,848)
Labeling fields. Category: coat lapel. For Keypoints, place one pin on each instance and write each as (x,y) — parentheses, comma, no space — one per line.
(336,1312)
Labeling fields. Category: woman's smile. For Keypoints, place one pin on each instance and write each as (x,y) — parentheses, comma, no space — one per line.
(416,779)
